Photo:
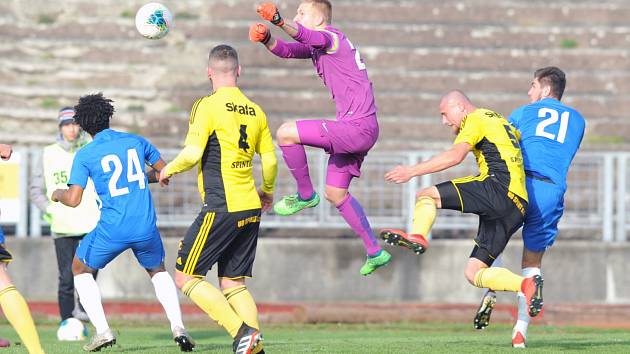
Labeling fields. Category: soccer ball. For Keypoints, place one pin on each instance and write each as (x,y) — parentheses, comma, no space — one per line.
(72,329)
(153,20)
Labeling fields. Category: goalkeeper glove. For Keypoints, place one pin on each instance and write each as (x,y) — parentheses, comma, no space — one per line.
(269,12)
(259,33)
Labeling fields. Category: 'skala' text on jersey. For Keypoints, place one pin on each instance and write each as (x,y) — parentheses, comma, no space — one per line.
(246,110)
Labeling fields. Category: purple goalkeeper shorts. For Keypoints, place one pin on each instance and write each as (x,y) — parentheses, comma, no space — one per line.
(347,142)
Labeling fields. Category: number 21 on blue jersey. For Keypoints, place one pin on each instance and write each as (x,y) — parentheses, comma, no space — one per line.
(551,117)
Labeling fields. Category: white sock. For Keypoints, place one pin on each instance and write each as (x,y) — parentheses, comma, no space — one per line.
(497,263)
(523,310)
(90,298)
(531,271)
(166,293)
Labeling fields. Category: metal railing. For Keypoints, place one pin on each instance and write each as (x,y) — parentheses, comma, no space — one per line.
(596,202)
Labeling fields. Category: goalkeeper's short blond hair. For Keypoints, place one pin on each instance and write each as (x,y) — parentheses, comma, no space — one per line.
(324,6)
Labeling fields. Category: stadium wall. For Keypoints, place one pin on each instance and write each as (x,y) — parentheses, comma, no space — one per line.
(299,270)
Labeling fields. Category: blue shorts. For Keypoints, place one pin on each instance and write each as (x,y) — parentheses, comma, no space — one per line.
(545,208)
(96,251)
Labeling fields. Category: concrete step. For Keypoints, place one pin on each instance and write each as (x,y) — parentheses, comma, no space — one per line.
(300,103)
(452,11)
(412,58)
(116,31)
(107,75)
(448,11)
(415,51)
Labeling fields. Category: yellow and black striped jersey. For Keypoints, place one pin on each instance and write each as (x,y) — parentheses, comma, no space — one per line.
(495,145)
(230,129)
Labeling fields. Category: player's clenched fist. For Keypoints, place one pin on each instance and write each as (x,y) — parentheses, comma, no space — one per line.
(259,33)
(269,12)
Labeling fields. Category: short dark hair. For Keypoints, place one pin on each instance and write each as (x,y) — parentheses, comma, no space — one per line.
(324,6)
(226,54)
(554,78)
(93,113)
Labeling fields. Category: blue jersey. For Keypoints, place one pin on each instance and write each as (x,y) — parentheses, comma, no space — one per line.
(551,133)
(115,161)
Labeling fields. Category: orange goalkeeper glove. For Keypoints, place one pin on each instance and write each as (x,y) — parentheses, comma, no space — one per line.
(259,33)
(269,12)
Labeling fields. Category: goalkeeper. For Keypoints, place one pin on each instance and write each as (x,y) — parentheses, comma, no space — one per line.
(348,138)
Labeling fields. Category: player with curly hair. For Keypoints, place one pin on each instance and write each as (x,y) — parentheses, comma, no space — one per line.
(115,162)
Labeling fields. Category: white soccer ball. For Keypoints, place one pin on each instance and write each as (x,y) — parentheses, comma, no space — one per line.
(72,329)
(153,20)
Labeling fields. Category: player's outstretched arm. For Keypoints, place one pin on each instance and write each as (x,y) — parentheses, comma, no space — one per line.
(259,32)
(199,130)
(313,38)
(187,159)
(70,197)
(446,159)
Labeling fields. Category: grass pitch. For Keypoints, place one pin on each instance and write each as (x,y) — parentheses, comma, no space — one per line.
(405,338)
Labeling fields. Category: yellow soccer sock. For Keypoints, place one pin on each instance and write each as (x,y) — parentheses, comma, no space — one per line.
(212,302)
(243,304)
(423,216)
(16,310)
(498,279)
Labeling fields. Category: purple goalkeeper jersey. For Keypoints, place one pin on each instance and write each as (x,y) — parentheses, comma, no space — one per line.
(338,64)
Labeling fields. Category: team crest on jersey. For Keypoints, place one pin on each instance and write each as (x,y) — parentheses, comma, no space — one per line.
(245,110)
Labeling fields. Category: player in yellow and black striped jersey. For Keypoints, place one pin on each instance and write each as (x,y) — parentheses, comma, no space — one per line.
(12,302)
(229,128)
(495,145)
(225,130)
(497,194)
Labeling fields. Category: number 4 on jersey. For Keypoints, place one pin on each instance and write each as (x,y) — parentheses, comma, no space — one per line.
(242,141)
(134,172)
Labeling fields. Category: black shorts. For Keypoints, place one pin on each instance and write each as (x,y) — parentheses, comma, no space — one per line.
(5,255)
(500,211)
(225,238)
